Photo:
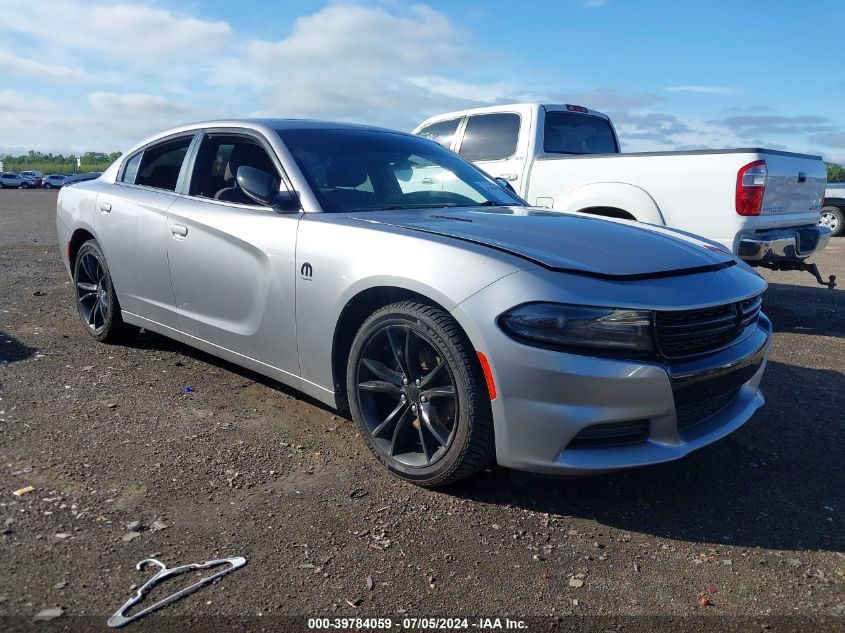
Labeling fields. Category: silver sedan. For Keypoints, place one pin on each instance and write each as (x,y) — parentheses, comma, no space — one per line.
(380,273)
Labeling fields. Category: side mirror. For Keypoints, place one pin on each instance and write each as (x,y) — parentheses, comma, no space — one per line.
(264,189)
(504,183)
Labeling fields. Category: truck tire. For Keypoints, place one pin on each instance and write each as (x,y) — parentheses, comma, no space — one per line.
(834,219)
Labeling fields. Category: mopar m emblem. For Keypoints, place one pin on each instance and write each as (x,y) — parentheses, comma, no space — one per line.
(306,271)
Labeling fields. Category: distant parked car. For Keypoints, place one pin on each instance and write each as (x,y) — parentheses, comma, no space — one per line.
(54,181)
(35,175)
(833,212)
(29,182)
(91,175)
(9,180)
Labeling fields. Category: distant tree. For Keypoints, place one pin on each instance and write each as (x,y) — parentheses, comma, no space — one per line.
(835,173)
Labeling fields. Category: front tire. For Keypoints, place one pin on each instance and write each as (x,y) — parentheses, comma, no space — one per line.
(834,219)
(418,395)
(95,296)
(48,186)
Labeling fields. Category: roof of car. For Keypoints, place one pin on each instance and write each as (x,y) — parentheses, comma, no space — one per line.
(284,124)
(266,125)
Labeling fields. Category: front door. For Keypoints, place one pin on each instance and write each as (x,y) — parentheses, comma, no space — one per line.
(492,142)
(231,260)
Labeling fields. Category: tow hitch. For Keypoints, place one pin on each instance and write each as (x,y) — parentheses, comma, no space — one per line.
(813,269)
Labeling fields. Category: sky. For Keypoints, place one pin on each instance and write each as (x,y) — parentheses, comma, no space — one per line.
(83,75)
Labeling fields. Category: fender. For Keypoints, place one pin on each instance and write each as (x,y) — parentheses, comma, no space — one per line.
(617,195)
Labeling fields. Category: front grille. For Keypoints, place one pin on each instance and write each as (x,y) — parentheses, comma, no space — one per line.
(690,332)
(611,434)
(692,413)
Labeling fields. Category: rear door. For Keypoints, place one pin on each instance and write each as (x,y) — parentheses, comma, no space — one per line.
(497,143)
(794,190)
(232,261)
(131,221)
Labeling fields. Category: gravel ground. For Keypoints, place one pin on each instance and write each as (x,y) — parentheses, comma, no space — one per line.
(243,466)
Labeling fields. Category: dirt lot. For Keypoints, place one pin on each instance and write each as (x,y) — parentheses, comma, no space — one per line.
(243,466)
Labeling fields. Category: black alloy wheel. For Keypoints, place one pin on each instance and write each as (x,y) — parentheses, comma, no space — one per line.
(418,395)
(95,296)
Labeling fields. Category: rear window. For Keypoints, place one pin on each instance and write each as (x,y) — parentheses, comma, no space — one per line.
(161,164)
(490,137)
(571,133)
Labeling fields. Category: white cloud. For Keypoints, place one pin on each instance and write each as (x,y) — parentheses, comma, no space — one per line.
(352,62)
(123,31)
(28,67)
(711,90)
(135,103)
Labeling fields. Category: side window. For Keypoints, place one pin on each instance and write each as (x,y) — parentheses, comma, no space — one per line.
(131,169)
(441,132)
(216,167)
(160,164)
(490,136)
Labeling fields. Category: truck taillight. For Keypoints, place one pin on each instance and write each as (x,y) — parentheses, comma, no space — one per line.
(750,187)
(576,108)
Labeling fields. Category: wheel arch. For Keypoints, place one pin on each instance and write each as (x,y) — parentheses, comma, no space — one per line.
(609,212)
(353,315)
(612,199)
(77,239)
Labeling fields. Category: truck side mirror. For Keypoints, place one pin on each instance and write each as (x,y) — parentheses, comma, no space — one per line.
(504,183)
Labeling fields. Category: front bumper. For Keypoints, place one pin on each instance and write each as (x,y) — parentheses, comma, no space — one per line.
(547,398)
(782,245)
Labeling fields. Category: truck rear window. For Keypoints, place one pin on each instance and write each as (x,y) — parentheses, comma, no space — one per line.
(572,133)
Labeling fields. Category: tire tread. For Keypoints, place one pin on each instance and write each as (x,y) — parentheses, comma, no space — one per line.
(478,451)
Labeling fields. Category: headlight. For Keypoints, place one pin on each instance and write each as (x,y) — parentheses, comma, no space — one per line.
(562,325)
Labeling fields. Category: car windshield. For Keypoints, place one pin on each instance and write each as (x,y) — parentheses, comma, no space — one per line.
(369,170)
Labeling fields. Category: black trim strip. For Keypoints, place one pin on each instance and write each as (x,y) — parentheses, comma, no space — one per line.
(692,152)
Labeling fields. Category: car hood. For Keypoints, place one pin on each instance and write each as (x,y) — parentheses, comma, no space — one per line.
(565,242)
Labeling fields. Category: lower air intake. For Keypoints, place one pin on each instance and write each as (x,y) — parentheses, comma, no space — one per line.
(611,434)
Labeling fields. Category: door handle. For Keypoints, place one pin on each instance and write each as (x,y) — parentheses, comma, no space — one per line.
(105,207)
(179,230)
(509,177)
(429,180)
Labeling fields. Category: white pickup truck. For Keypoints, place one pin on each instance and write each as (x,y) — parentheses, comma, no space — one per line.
(763,205)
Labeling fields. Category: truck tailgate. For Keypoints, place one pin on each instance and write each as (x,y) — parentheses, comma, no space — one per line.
(794,189)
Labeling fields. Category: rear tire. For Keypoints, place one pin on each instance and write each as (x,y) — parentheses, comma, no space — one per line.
(418,395)
(96,299)
(834,219)
(48,186)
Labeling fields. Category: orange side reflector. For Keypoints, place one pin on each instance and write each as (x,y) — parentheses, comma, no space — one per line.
(488,375)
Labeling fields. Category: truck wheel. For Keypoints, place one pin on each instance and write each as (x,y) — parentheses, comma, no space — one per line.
(834,219)
(418,395)
(96,298)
